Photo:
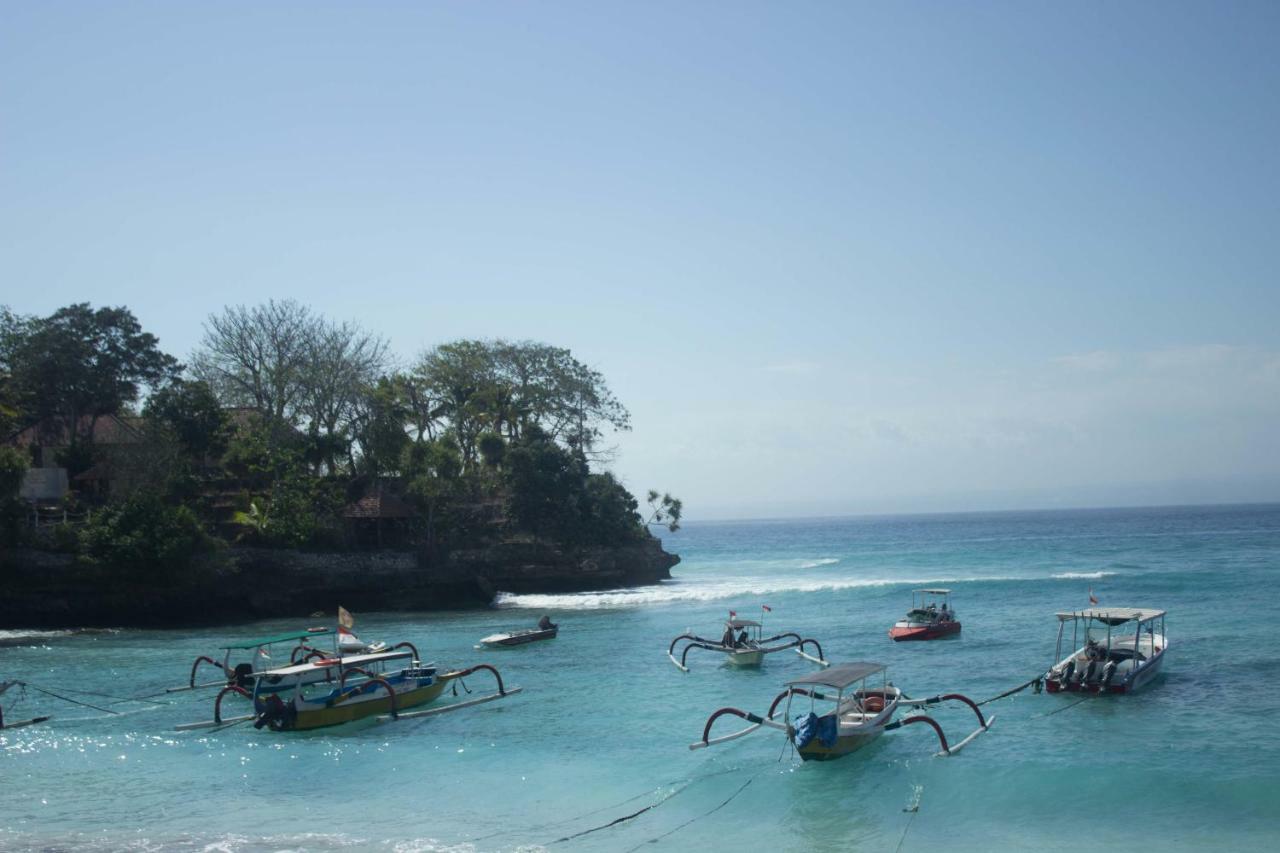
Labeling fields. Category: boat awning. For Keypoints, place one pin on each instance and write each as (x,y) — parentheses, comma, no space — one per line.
(282,638)
(935,591)
(840,676)
(345,663)
(1113,615)
(742,623)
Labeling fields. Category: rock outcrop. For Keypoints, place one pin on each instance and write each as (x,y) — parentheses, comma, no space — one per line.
(40,589)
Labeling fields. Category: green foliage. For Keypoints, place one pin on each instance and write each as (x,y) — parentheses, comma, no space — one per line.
(191,413)
(492,449)
(553,494)
(379,429)
(13,468)
(80,361)
(664,511)
(145,535)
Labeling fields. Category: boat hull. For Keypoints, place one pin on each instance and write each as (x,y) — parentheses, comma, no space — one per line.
(316,715)
(518,638)
(1130,683)
(911,631)
(746,658)
(845,745)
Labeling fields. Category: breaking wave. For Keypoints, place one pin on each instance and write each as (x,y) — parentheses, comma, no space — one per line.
(825,561)
(1086,576)
(671,592)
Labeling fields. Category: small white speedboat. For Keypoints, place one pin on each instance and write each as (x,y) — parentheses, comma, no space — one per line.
(1117,650)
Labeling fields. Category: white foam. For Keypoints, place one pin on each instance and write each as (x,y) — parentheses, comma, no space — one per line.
(1086,576)
(671,592)
(825,561)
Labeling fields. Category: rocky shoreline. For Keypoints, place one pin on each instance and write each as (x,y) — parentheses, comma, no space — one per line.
(48,590)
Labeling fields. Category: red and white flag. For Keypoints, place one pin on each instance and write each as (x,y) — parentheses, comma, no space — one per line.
(766,607)
(1093,599)
(732,614)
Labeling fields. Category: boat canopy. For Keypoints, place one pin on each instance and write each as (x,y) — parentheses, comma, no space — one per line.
(282,638)
(935,591)
(839,676)
(742,623)
(344,663)
(1113,615)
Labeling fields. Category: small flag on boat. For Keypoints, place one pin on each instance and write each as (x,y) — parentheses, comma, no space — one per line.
(766,607)
(732,614)
(1093,599)
(345,619)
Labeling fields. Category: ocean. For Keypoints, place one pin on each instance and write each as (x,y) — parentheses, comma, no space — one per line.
(593,755)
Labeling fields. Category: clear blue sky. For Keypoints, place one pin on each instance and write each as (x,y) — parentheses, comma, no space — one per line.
(835,257)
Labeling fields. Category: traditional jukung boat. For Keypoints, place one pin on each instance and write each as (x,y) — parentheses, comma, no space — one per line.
(930,617)
(546,630)
(302,648)
(862,709)
(352,688)
(743,644)
(1111,655)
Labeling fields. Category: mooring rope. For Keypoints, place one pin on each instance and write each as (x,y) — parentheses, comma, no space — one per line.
(1037,681)
(1063,708)
(730,799)
(914,808)
(68,699)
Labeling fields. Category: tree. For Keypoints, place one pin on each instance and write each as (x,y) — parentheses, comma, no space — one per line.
(190,412)
(664,510)
(13,469)
(378,426)
(343,363)
(258,356)
(502,387)
(80,362)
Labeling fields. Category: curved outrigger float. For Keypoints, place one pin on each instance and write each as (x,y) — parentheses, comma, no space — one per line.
(863,709)
(333,691)
(744,646)
(1113,658)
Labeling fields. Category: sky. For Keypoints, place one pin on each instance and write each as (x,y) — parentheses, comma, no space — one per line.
(834,257)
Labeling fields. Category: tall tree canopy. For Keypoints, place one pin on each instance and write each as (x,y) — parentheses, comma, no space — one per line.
(80,361)
(257,356)
(474,387)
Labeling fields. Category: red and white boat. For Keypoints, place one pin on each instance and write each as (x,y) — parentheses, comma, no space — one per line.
(1117,650)
(930,617)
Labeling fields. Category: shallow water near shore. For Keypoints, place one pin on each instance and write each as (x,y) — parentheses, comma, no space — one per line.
(602,728)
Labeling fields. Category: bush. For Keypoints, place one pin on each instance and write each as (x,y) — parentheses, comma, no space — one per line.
(144,535)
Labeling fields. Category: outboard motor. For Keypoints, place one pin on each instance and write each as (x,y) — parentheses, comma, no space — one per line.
(242,675)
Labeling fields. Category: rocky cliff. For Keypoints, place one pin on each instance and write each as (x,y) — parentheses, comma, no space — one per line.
(39,589)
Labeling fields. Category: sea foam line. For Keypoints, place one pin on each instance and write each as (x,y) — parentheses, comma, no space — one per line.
(1088,576)
(683,591)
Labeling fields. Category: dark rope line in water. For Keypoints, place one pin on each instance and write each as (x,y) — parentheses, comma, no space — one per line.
(688,782)
(69,699)
(1019,688)
(658,838)
(118,699)
(1063,708)
(903,840)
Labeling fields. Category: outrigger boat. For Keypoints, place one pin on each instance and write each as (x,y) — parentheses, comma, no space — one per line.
(546,630)
(930,617)
(863,709)
(748,647)
(293,698)
(1114,657)
(301,650)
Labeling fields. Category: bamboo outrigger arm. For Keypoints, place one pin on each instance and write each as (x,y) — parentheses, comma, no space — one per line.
(503,692)
(984,723)
(755,720)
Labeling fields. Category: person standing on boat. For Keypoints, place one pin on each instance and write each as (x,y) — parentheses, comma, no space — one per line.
(744,639)
(545,623)
(727,639)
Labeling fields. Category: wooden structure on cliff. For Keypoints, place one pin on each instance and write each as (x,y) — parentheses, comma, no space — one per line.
(379,518)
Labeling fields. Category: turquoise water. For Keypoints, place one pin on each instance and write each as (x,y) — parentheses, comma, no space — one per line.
(602,729)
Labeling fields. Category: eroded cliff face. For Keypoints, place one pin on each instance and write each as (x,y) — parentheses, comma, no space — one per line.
(44,590)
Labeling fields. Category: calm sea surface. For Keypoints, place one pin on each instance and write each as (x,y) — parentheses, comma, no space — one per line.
(601,731)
